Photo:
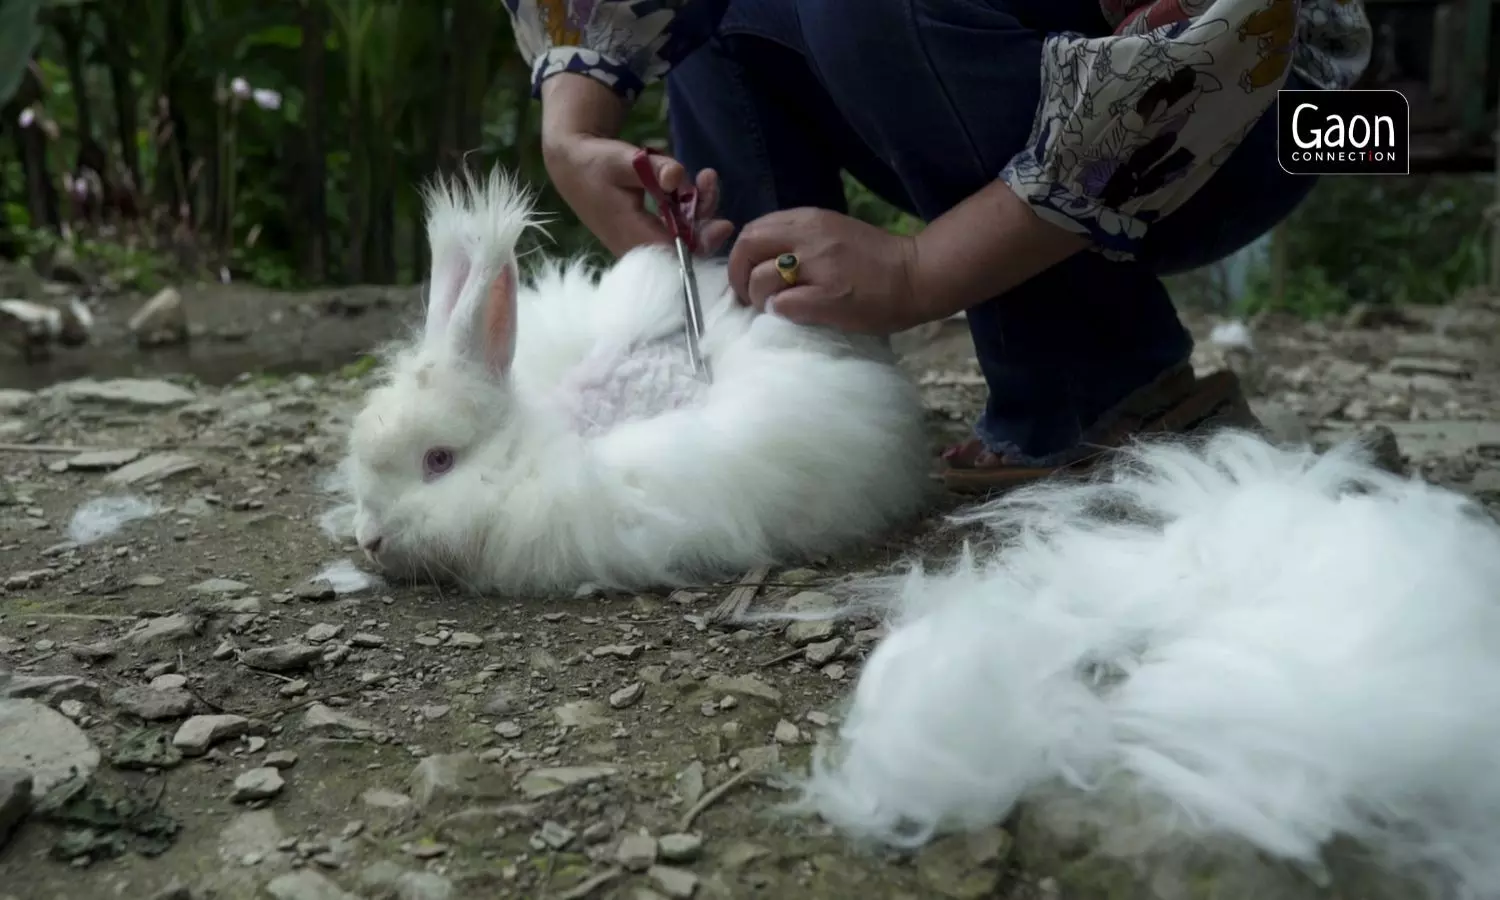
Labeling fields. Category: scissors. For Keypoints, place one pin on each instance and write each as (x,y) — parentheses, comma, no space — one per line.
(678,210)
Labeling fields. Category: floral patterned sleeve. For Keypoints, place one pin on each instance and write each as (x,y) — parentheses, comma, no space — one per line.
(625,44)
(1131,124)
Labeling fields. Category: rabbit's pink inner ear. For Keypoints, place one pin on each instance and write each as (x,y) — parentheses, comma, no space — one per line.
(500,321)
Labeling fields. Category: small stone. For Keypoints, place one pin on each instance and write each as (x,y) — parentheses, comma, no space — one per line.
(582,714)
(153,705)
(379,798)
(306,884)
(323,632)
(805,632)
(618,651)
(679,884)
(428,849)
(465,640)
(160,321)
(680,847)
(435,711)
(423,886)
(131,393)
(258,784)
(281,759)
(800,634)
(366,639)
(540,783)
(281,658)
(314,591)
(627,696)
(102,460)
(152,469)
(787,733)
(255,744)
(555,835)
(456,776)
(508,729)
(747,685)
(95,652)
(148,581)
(760,757)
(50,689)
(636,852)
(1412,365)
(820,652)
(329,721)
(294,688)
(176,627)
(690,783)
(199,733)
(219,586)
(170,682)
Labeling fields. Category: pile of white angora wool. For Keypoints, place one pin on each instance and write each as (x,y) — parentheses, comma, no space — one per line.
(1220,645)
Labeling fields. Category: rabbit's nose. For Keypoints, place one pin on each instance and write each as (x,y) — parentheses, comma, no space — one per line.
(372,545)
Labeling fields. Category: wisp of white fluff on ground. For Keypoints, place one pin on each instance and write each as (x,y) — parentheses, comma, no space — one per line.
(1220,642)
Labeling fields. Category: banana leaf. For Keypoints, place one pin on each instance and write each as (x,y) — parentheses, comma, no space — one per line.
(19,33)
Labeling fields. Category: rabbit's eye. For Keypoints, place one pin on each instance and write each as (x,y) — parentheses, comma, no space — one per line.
(437,461)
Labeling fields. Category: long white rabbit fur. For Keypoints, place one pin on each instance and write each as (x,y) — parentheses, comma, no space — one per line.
(1227,644)
(582,449)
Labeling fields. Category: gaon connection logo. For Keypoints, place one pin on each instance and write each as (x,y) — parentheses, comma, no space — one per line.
(1366,132)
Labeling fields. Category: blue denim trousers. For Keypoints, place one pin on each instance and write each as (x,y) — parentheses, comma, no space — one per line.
(924,102)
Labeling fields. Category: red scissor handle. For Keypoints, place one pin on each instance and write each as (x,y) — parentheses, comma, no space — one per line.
(679,209)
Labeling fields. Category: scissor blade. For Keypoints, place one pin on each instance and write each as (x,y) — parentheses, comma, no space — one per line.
(694,311)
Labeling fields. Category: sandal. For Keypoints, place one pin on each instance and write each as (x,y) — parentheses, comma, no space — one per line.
(1176,403)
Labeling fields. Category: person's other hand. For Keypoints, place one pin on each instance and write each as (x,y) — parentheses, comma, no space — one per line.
(851,275)
(595,173)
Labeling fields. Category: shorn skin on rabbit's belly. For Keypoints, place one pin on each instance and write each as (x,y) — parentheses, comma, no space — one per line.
(611,387)
(540,436)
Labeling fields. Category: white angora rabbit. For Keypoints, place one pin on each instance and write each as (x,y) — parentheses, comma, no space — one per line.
(537,437)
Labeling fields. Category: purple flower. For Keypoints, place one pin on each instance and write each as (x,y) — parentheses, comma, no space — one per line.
(26,118)
(266,98)
(240,88)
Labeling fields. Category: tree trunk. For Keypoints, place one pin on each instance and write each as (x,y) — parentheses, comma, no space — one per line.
(359,191)
(313,171)
(476,21)
(383,228)
(127,123)
(445,152)
(175,161)
(70,29)
(31,147)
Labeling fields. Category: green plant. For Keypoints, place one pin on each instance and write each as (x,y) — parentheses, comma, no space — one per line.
(1398,239)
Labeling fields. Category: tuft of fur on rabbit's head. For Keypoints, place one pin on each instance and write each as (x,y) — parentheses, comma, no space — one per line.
(429,452)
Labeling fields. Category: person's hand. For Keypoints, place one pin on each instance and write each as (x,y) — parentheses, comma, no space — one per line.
(595,173)
(851,275)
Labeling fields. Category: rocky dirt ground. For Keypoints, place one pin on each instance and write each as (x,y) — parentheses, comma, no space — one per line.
(212,701)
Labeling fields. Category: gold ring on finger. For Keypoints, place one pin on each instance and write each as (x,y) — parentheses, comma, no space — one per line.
(786,267)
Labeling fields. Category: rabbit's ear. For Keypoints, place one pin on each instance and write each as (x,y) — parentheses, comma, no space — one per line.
(451,267)
(473,227)
(488,336)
